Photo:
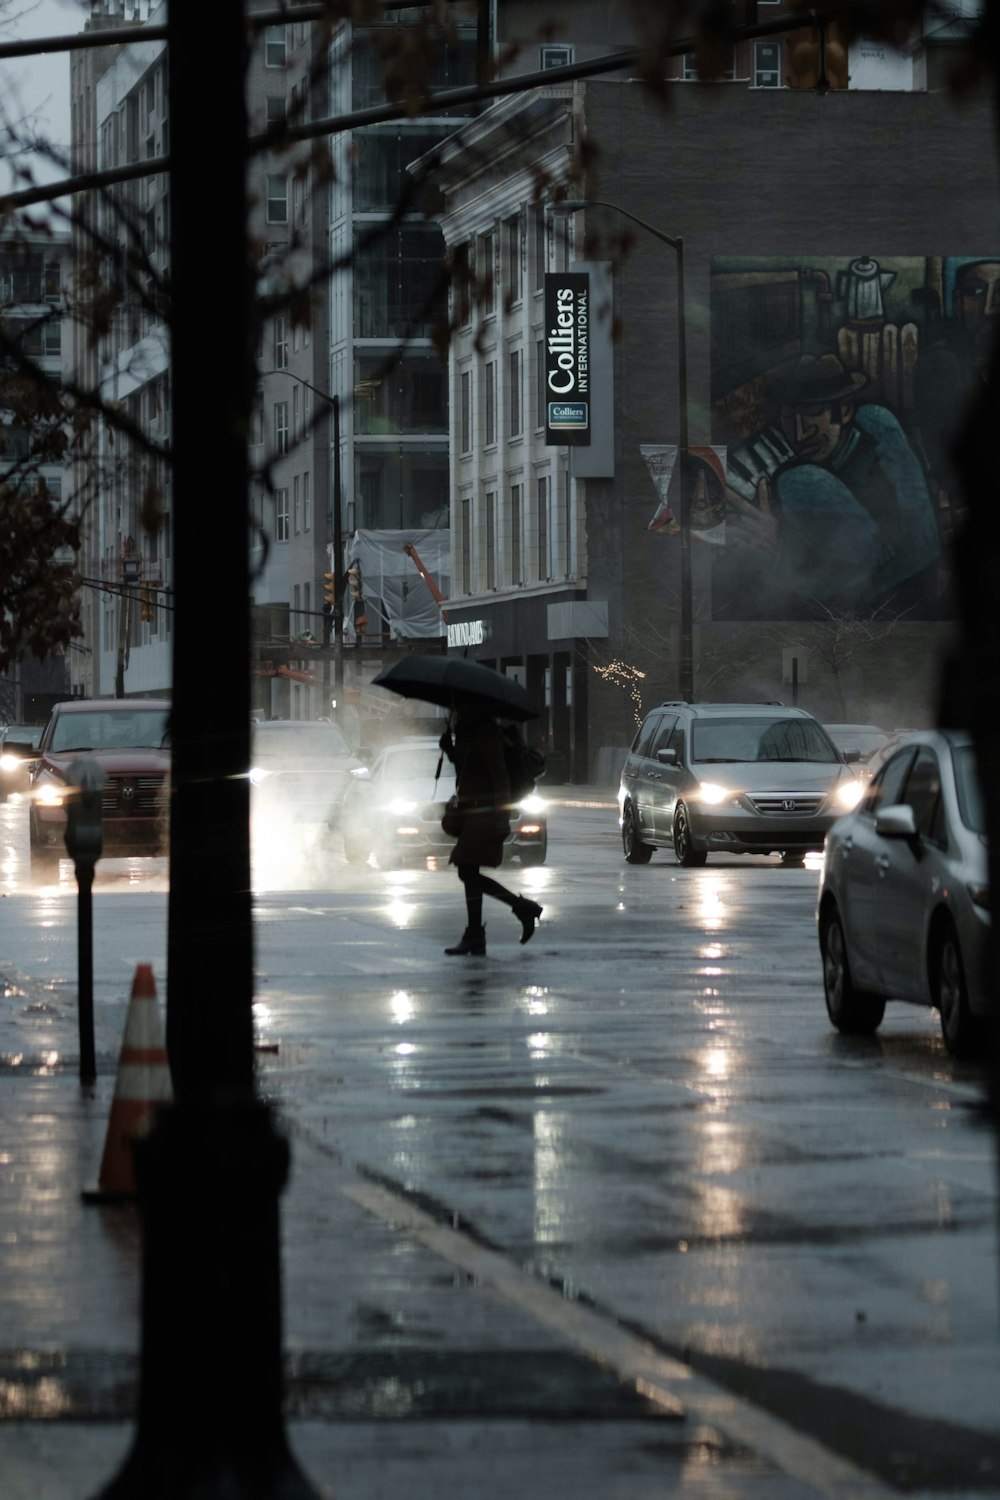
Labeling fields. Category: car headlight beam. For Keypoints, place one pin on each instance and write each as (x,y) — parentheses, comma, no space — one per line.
(848,794)
(712,794)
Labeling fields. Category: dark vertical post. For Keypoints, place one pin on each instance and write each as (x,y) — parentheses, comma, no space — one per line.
(210,1173)
(85,969)
(687,642)
(338,560)
(795,682)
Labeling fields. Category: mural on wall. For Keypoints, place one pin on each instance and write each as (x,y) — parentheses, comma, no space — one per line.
(837,385)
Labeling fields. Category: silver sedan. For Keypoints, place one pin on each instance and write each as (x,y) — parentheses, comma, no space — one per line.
(904,902)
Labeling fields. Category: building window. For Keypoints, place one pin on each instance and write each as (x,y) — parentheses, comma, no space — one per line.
(296,412)
(555,55)
(306,501)
(514,367)
(275,46)
(296,609)
(466,582)
(280,342)
(461,306)
(490,403)
(296,506)
(540,251)
(691,74)
(486,274)
(512,257)
(543,529)
(516,572)
(277,198)
(281,427)
(491,540)
(567,508)
(767,65)
(540,412)
(281,515)
(275,107)
(466,412)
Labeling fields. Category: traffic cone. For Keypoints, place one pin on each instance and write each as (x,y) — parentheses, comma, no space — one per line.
(142,1087)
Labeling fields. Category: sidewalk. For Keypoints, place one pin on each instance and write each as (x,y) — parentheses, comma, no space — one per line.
(405,1374)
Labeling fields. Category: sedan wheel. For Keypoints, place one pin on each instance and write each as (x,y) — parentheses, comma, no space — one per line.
(636,852)
(684,851)
(853,1011)
(964,1034)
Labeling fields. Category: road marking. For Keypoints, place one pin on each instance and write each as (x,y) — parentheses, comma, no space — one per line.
(671,1385)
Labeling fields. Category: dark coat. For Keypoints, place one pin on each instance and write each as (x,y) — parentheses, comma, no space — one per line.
(482,789)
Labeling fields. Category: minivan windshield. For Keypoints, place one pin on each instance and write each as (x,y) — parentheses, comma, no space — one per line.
(727,741)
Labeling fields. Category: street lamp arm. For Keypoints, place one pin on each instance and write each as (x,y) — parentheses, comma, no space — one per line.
(572,205)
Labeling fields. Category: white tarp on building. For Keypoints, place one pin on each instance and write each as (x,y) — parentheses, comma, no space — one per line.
(396,596)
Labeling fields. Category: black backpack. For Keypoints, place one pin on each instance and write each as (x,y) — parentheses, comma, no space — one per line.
(524,764)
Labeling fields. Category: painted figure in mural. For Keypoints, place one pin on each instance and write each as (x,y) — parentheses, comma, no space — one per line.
(842,518)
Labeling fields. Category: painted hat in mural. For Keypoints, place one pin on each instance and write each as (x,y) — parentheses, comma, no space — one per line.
(816,379)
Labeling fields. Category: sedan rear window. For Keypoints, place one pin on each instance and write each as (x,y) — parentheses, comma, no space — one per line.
(735,740)
(970,796)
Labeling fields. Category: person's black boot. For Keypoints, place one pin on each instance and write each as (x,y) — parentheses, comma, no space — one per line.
(473,940)
(527,913)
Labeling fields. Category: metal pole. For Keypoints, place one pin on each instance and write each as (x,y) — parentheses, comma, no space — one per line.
(338,562)
(686,666)
(85,969)
(687,643)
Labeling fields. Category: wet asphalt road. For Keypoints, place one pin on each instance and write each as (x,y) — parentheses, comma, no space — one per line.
(645,1105)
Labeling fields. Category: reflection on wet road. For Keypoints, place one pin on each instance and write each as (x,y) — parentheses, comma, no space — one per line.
(647,1105)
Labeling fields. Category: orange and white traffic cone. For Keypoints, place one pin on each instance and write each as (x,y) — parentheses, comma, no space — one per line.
(143,1087)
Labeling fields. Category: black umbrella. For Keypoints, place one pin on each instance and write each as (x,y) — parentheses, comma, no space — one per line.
(452,681)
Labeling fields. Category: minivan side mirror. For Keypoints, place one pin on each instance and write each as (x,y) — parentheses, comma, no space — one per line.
(850,756)
(667,757)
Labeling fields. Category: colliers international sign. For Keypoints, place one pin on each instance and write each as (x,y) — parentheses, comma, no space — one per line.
(567,357)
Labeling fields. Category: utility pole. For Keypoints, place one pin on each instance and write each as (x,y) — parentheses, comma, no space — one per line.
(211,1171)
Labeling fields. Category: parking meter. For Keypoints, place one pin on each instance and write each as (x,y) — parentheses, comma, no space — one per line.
(85,781)
(84,837)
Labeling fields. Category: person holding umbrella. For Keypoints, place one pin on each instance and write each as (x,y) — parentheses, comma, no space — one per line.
(478,696)
(482,793)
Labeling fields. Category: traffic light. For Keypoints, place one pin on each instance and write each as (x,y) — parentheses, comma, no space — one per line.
(329,589)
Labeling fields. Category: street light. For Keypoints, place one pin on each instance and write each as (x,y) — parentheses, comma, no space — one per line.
(577,205)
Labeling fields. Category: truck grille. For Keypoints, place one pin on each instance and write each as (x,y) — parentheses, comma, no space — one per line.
(134,796)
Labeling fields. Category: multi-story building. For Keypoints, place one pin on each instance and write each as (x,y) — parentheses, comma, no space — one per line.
(32,325)
(120,116)
(854,224)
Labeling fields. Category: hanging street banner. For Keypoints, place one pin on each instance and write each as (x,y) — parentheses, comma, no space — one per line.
(706,471)
(567,358)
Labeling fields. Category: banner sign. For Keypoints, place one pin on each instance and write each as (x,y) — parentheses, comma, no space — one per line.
(707,501)
(567,358)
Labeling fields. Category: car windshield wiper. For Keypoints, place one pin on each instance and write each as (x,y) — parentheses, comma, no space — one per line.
(798,760)
(719,760)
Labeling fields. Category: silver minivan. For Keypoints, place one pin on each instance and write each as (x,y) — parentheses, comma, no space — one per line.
(731,778)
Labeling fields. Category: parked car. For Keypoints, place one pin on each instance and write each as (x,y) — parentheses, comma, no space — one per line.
(731,778)
(128,737)
(300,772)
(904,902)
(18,748)
(856,742)
(393,810)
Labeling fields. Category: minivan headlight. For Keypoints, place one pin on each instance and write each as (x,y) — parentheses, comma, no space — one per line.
(848,794)
(712,794)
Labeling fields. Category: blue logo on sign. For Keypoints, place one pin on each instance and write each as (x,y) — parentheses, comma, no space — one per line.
(567,414)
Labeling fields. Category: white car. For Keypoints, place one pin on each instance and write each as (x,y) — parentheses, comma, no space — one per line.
(904,904)
(393,810)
